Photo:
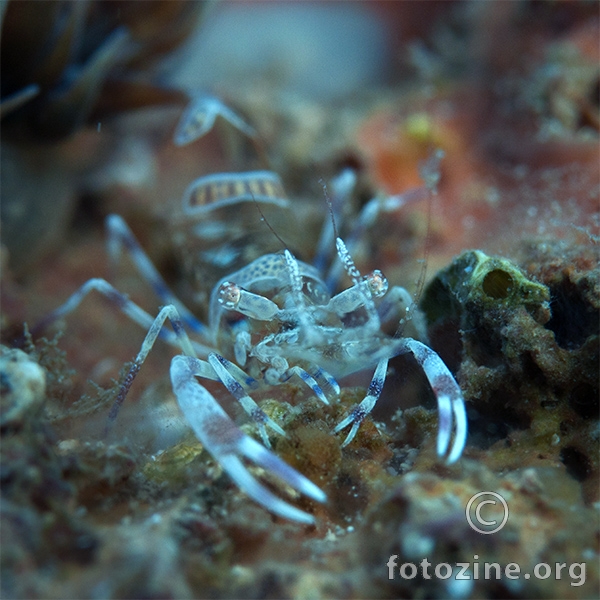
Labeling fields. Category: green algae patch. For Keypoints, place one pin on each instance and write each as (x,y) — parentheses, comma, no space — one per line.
(487,282)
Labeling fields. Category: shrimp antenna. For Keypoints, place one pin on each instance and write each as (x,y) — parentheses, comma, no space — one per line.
(423,273)
(329,206)
(266,222)
(430,172)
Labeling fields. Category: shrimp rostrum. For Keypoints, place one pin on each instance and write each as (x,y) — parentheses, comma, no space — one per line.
(271,321)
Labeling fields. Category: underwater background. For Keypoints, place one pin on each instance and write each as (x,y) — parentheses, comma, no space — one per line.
(497,243)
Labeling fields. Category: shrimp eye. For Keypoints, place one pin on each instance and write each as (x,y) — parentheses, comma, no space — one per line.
(229,295)
(377,282)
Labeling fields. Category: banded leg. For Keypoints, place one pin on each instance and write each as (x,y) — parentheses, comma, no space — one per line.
(121,301)
(360,411)
(322,375)
(228,444)
(178,337)
(156,328)
(233,378)
(119,236)
(307,378)
(451,404)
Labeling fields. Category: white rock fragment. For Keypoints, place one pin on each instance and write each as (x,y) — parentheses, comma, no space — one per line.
(22,386)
